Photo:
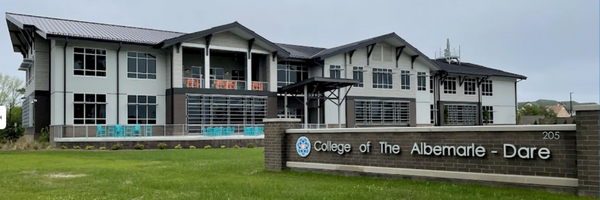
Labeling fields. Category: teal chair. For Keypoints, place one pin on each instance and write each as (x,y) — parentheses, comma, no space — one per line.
(100,132)
(260,130)
(111,131)
(137,131)
(128,131)
(148,131)
(209,132)
(118,130)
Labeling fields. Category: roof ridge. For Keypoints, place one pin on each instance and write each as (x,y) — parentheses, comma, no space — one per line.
(301,45)
(88,22)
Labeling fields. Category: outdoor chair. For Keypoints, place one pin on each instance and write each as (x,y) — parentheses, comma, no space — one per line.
(148,131)
(111,131)
(137,131)
(260,130)
(118,130)
(100,132)
(209,132)
(128,131)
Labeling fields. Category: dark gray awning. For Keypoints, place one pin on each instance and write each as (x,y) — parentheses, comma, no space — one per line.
(318,85)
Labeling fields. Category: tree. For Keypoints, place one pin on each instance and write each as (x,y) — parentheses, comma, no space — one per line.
(537,110)
(446,113)
(11,91)
(486,116)
(555,121)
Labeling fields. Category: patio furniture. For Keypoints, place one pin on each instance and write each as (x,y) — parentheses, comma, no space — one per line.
(100,132)
(148,131)
(137,130)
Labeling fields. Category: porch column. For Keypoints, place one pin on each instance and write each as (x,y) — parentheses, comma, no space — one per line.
(249,72)
(207,68)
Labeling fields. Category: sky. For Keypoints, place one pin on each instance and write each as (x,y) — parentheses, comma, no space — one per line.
(555,44)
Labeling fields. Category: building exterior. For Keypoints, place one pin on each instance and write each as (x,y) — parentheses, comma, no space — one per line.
(91,73)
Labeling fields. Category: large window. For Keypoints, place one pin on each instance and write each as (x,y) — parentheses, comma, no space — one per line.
(382,78)
(405,80)
(432,114)
(357,74)
(421,81)
(290,73)
(141,65)
(335,71)
(450,85)
(141,109)
(469,86)
(89,62)
(460,114)
(226,109)
(89,108)
(431,85)
(382,112)
(486,88)
(490,114)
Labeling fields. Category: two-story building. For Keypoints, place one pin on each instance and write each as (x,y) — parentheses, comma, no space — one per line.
(86,73)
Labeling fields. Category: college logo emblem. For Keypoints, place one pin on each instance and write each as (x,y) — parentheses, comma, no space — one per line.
(303,146)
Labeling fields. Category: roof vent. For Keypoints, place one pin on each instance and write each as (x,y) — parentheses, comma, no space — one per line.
(449,56)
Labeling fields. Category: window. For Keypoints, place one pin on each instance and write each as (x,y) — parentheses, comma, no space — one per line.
(469,86)
(421,81)
(405,79)
(382,78)
(489,119)
(431,85)
(461,114)
(486,88)
(357,74)
(217,73)
(141,65)
(141,109)
(226,109)
(382,112)
(450,85)
(290,72)
(89,62)
(335,71)
(89,108)
(432,113)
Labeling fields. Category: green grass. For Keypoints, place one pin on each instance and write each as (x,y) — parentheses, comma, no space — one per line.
(207,174)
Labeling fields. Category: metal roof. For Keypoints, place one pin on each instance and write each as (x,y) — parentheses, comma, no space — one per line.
(318,84)
(301,52)
(91,30)
(466,68)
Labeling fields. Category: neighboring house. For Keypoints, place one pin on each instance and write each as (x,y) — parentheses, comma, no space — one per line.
(86,73)
(560,110)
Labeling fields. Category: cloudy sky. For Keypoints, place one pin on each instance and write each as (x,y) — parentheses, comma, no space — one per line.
(554,43)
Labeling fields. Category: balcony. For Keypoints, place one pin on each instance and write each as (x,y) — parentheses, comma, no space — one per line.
(225,84)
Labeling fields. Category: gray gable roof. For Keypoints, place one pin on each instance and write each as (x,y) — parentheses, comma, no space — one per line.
(301,52)
(466,68)
(90,30)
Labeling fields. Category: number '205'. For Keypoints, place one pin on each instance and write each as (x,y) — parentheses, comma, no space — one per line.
(550,135)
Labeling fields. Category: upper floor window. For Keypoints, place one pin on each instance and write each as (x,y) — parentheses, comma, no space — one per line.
(357,74)
(141,109)
(335,71)
(421,81)
(141,65)
(431,85)
(89,62)
(290,73)
(469,86)
(405,79)
(89,108)
(450,85)
(382,78)
(486,88)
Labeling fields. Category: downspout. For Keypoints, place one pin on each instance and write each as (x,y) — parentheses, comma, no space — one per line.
(118,72)
(479,111)
(65,82)
(172,93)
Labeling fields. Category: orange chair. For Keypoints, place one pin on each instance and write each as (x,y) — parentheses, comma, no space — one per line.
(220,84)
(231,85)
(192,83)
(257,86)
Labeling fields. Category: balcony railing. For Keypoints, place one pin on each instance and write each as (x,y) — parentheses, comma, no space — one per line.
(224,84)
(193,82)
(153,131)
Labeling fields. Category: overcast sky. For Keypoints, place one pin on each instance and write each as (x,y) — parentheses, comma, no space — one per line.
(554,43)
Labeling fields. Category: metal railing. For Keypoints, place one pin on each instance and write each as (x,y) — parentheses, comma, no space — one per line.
(145,131)
(192,82)
(314,126)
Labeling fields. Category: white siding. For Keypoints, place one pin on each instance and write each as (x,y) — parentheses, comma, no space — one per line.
(503,100)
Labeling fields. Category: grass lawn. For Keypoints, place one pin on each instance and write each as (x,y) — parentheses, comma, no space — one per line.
(207,174)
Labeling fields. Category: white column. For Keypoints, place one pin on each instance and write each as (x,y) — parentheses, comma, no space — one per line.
(305,107)
(249,72)
(207,67)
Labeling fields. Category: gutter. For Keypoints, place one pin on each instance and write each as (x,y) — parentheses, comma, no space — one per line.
(118,72)
(65,82)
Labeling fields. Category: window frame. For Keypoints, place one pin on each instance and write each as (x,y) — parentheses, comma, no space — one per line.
(84,69)
(490,110)
(136,73)
(382,112)
(487,88)
(85,103)
(383,78)
(421,81)
(358,74)
(405,79)
(137,119)
(335,71)
(470,82)
(450,85)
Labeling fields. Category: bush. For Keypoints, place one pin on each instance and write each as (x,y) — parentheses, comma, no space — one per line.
(76,147)
(90,147)
(192,147)
(139,146)
(45,135)
(35,146)
(102,148)
(250,145)
(161,146)
(223,146)
(11,133)
(236,147)
(207,147)
(565,122)
(64,147)
(574,121)
(178,146)
(116,146)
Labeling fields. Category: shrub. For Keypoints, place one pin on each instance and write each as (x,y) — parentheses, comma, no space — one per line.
(223,146)
(161,146)
(236,147)
(45,135)
(574,121)
(207,147)
(102,148)
(565,122)
(178,146)
(192,147)
(139,146)
(64,147)
(116,146)
(49,147)
(555,121)
(35,146)
(76,147)
(89,147)
(250,145)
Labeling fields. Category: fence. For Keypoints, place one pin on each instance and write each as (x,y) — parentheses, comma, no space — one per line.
(132,131)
